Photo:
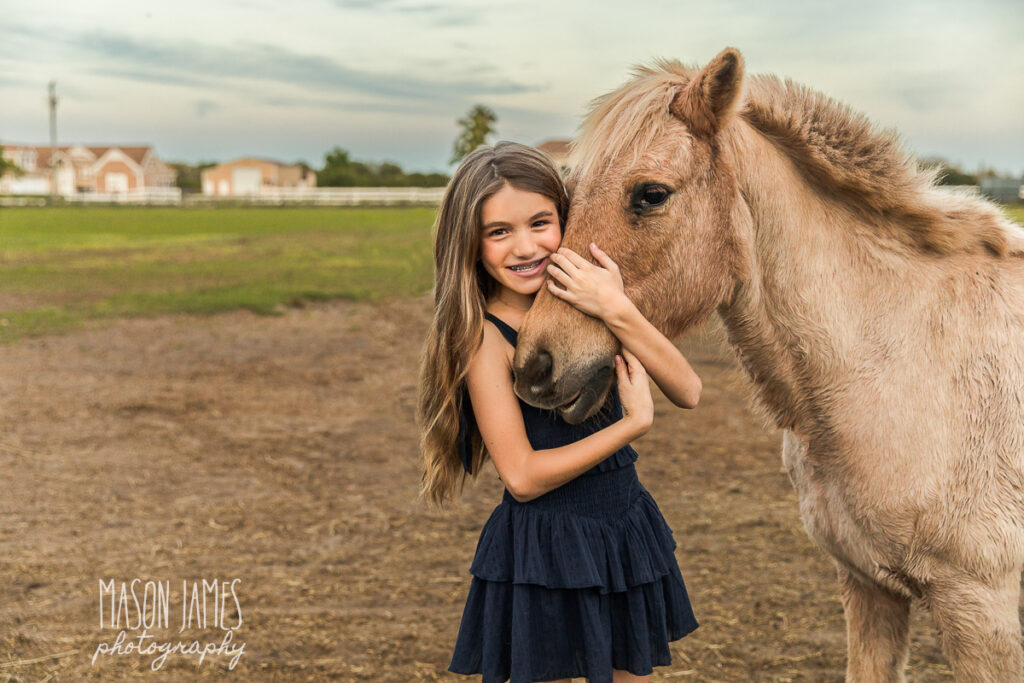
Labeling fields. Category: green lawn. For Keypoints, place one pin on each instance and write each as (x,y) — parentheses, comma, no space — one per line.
(62,266)
(1016,213)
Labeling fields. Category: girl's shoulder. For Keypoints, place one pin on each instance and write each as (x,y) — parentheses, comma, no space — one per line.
(510,333)
(495,352)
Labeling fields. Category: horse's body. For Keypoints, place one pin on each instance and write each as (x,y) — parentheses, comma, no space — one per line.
(881,320)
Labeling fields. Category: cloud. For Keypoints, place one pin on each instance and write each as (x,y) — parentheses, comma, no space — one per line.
(925,98)
(363,4)
(344,105)
(190,63)
(7,80)
(150,76)
(440,15)
(204,107)
(437,14)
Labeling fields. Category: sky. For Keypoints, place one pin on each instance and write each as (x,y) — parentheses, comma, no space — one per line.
(388,79)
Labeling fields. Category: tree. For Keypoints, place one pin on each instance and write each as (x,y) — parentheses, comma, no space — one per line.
(949,174)
(337,170)
(8,166)
(476,126)
(340,170)
(189,175)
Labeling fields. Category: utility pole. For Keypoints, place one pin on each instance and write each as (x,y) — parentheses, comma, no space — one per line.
(53,138)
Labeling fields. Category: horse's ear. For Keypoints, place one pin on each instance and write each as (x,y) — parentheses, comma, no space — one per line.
(706,102)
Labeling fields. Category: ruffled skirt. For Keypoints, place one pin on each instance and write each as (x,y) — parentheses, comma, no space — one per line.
(574,583)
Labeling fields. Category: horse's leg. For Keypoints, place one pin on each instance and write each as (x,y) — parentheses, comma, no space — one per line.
(877,626)
(980,627)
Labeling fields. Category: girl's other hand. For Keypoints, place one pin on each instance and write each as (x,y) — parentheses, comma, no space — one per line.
(595,290)
(634,392)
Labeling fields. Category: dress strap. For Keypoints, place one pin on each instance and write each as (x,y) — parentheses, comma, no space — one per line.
(507,331)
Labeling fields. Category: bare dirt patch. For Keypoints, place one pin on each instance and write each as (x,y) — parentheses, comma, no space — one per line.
(281,451)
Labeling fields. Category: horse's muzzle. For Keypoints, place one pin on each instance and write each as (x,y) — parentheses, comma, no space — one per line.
(576,396)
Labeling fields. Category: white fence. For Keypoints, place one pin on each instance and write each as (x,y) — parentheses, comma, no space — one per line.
(329,196)
(278,196)
(146,195)
(21,200)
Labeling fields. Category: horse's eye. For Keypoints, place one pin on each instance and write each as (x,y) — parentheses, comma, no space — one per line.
(649,196)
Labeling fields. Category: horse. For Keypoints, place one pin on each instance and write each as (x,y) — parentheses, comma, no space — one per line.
(878,315)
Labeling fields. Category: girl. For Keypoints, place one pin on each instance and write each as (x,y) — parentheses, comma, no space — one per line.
(574,572)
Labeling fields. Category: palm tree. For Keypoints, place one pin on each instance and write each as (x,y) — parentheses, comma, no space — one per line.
(476,126)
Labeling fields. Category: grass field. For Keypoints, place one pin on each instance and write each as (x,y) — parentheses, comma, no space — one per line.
(62,266)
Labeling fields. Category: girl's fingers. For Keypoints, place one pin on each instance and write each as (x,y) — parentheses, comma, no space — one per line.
(620,369)
(635,366)
(563,261)
(573,257)
(627,371)
(558,291)
(603,258)
(559,274)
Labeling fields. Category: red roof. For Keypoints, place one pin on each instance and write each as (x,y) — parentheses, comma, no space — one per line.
(554,147)
(134,152)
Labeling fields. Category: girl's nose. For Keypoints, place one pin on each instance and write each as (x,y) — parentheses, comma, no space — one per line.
(524,244)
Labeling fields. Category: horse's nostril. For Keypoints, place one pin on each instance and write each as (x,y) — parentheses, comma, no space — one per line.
(538,372)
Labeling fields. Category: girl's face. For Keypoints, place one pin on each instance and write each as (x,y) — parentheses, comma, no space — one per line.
(520,229)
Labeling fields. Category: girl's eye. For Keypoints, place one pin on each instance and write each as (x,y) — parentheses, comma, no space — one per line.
(545,222)
(495,232)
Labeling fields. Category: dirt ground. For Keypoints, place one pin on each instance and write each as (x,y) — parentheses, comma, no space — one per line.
(281,451)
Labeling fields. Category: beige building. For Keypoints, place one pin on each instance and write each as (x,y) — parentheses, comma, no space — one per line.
(250,176)
(558,150)
(74,169)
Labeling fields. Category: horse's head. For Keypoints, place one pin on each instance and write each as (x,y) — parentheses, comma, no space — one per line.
(653,186)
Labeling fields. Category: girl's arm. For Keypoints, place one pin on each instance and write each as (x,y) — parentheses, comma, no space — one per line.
(599,292)
(529,473)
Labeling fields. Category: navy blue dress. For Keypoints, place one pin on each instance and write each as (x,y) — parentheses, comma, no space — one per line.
(578,581)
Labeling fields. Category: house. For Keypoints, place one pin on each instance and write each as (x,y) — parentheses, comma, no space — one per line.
(78,169)
(250,176)
(558,150)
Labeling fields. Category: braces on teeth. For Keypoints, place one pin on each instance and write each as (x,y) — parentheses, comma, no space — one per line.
(527,266)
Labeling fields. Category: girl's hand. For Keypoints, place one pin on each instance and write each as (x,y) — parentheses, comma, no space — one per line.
(634,392)
(595,290)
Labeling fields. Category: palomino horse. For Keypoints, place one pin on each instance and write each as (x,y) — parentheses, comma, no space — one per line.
(880,318)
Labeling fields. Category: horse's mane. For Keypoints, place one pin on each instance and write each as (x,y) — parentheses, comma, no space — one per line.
(839,152)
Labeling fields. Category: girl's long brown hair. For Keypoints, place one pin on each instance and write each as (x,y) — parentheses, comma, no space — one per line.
(461,290)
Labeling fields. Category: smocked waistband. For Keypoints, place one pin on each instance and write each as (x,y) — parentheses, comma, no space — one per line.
(605,494)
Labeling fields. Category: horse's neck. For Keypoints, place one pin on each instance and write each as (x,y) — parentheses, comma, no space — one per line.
(797,319)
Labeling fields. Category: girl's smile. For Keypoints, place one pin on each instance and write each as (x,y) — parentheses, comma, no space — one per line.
(530,268)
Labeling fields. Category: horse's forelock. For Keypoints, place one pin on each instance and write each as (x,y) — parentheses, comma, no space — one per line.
(628,119)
